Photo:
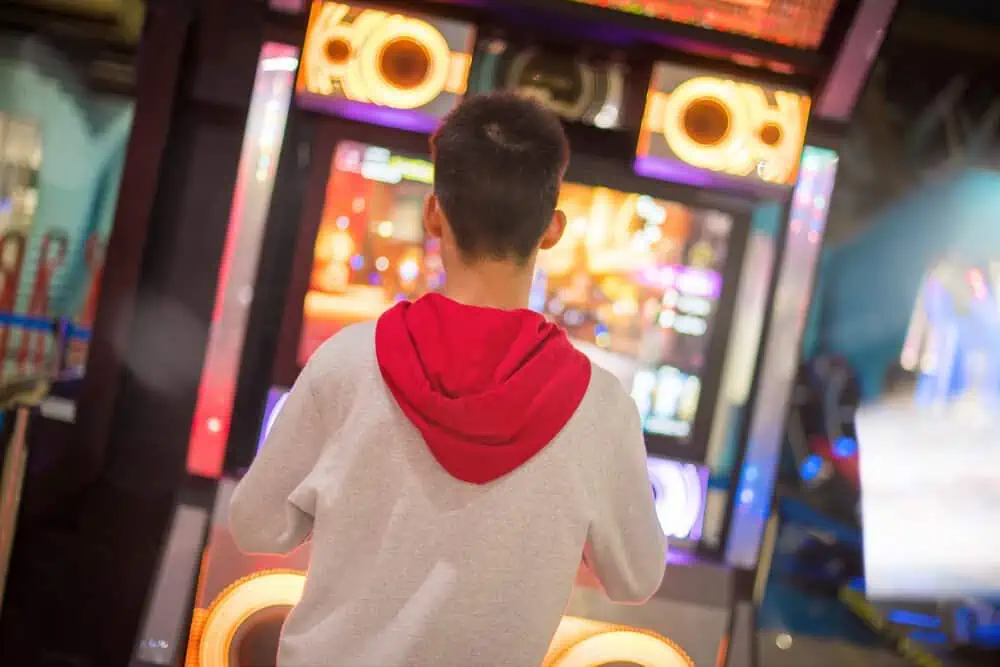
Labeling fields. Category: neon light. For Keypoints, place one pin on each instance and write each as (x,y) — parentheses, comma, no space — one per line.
(275,401)
(389,60)
(680,491)
(845,447)
(584,643)
(578,642)
(623,646)
(811,468)
(721,125)
(238,269)
(798,23)
(774,382)
(246,597)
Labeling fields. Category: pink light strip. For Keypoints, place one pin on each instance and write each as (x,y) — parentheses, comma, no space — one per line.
(262,139)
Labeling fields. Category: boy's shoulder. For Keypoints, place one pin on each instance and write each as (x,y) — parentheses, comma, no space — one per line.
(607,398)
(349,349)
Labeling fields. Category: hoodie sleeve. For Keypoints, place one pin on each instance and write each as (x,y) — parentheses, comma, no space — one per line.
(272,510)
(626,548)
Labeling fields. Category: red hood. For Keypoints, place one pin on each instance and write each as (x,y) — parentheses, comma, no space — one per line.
(487,388)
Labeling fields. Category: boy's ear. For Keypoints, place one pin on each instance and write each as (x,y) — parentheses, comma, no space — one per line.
(554,232)
(433,217)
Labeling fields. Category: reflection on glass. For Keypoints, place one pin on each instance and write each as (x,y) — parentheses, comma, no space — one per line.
(370,250)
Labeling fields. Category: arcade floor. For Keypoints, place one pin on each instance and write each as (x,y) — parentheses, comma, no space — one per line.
(776,651)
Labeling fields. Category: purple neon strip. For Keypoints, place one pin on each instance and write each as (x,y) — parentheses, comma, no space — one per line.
(411,120)
(675,171)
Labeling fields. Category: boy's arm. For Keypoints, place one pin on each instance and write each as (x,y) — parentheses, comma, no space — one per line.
(270,512)
(626,548)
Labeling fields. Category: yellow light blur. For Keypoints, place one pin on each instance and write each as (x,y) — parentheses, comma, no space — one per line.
(384,229)
(581,642)
(741,151)
(623,646)
(730,153)
(379,88)
(341,246)
(360,76)
(243,599)
(578,642)
(458,73)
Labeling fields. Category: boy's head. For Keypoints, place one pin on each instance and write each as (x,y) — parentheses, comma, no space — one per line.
(499,161)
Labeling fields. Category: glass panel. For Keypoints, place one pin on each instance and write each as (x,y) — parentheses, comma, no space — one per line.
(807,223)
(62,147)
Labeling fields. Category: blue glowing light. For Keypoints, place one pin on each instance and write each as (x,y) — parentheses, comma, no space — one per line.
(811,468)
(844,447)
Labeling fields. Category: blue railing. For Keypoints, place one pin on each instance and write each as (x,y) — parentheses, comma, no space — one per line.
(31,345)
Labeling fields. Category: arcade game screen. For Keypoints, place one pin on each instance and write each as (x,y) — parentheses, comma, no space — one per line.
(796,23)
(635,280)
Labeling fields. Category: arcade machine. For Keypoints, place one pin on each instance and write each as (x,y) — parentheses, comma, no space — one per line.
(950,355)
(671,153)
(817,547)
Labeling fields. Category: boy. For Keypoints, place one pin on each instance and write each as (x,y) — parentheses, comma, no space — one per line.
(455,460)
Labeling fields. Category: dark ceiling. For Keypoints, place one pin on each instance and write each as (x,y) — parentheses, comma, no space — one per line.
(931,107)
(971,10)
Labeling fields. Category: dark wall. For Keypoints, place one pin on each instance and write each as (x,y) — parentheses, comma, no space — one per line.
(82,570)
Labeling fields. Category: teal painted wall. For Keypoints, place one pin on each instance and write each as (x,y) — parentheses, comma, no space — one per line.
(84,139)
(869,286)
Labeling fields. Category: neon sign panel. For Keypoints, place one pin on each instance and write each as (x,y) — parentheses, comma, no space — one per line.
(699,123)
(796,23)
(393,69)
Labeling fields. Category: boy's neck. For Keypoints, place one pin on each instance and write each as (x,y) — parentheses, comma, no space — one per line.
(490,284)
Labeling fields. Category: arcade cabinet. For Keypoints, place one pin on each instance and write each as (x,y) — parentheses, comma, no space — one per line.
(672,156)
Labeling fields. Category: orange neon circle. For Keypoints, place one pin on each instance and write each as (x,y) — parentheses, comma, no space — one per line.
(706,121)
(379,87)
(732,153)
(240,601)
(321,72)
(624,645)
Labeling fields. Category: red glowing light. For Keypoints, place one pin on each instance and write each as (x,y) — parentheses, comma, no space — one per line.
(797,23)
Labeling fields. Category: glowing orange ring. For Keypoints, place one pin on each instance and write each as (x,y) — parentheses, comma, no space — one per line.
(383,92)
(318,72)
(732,154)
(624,645)
(241,600)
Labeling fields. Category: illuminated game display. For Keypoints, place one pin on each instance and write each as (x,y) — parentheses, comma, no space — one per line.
(797,23)
(635,280)
(392,69)
(370,249)
(698,124)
